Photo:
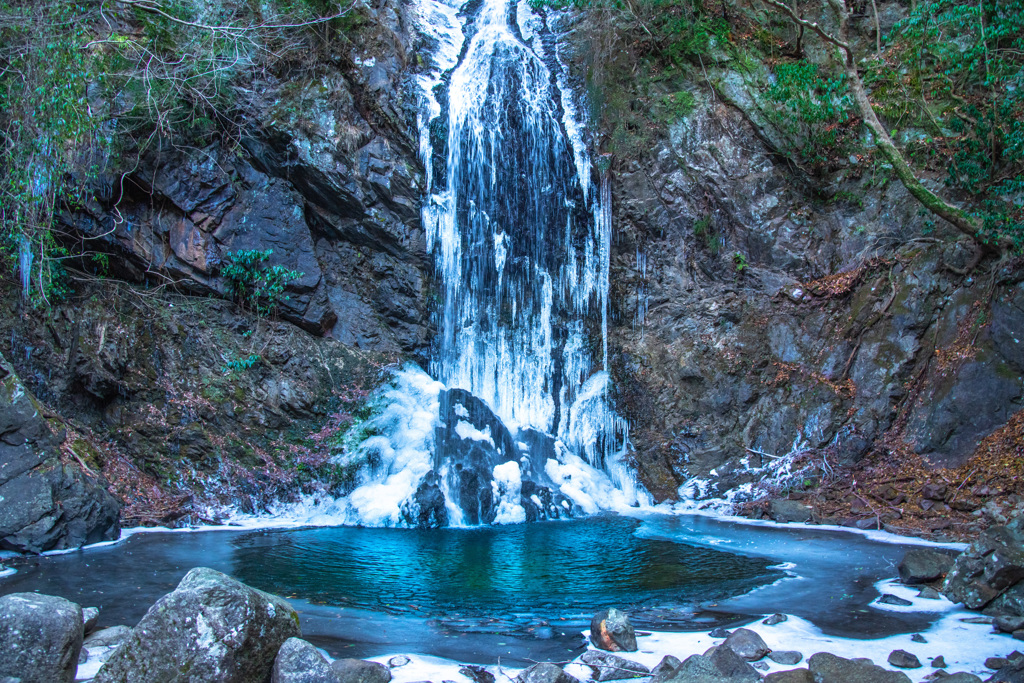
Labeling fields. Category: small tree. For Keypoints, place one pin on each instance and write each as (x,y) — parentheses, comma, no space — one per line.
(253,285)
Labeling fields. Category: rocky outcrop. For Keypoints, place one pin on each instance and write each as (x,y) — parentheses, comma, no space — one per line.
(326,177)
(40,638)
(210,629)
(46,502)
(923,565)
(990,571)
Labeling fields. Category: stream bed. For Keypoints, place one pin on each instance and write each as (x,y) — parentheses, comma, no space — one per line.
(520,592)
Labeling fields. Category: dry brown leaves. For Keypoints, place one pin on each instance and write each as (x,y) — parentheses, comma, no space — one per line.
(840,284)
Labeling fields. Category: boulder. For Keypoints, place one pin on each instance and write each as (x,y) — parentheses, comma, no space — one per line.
(904,660)
(791,676)
(41,637)
(923,565)
(890,599)
(747,644)
(961,677)
(828,668)
(360,671)
(775,619)
(612,631)
(720,665)
(90,615)
(786,657)
(300,662)
(783,510)
(665,669)
(106,637)
(719,632)
(939,662)
(545,673)
(210,629)
(990,565)
(608,667)
(1008,623)
(477,674)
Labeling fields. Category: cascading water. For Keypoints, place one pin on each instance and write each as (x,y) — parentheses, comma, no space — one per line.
(514,422)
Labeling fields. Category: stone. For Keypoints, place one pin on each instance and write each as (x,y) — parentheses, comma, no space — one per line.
(721,665)
(904,660)
(608,667)
(90,616)
(923,565)
(747,644)
(918,638)
(477,674)
(612,631)
(1008,623)
(775,619)
(360,671)
(996,662)
(210,629)
(929,593)
(991,564)
(828,668)
(760,666)
(719,632)
(665,669)
(934,491)
(939,662)
(106,637)
(961,677)
(298,661)
(40,636)
(545,672)
(782,510)
(791,676)
(785,657)
(890,599)
(397,661)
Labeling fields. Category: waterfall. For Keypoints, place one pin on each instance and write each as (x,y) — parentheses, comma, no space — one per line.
(514,422)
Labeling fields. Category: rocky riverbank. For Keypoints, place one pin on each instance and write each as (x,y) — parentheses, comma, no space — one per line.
(214,628)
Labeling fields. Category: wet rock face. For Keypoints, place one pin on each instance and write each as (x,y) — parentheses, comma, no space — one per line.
(40,638)
(45,504)
(210,629)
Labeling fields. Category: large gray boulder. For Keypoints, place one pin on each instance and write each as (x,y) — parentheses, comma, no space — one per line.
(828,668)
(923,565)
(722,665)
(784,510)
(747,644)
(45,504)
(298,661)
(609,667)
(990,565)
(210,629)
(360,671)
(40,638)
(545,672)
(612,631)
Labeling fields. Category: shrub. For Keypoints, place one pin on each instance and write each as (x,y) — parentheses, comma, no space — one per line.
(254,285)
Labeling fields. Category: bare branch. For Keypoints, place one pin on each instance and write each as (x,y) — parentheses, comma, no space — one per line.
(152,7)
(813,25)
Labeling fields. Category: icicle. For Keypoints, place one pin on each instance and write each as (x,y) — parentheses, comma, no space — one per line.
(25,259)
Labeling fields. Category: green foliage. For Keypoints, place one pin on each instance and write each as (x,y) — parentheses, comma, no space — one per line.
(45,126)
(704,229)
(254,285)
(814,110)
(954,69)
(739,260)
(240,364)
